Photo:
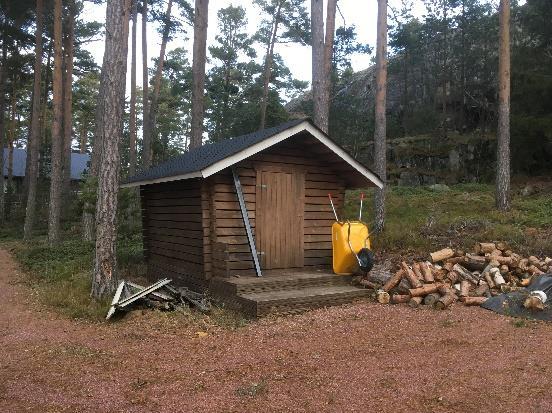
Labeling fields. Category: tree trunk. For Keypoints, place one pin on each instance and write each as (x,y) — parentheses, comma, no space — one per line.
(328,55)
(11,139)
(68,47)
(132,121)
(503,132)
(146,142)
(34,138)
(198,70)
(56,178)
(380,161)
(267,72)
(83,139)
(158,76)
(2,130)
(317,30)
(111,120)
(45,93)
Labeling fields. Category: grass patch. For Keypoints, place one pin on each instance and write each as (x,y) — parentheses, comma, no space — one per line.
(419,219)
(60,276)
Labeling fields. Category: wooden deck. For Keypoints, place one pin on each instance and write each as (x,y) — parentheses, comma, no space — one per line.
(285,294)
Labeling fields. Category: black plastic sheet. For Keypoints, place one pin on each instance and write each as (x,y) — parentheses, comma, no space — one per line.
(511,304)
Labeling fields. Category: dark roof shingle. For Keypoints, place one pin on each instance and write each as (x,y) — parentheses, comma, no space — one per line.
(200,158)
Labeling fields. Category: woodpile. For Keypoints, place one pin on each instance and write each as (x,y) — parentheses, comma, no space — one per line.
(452,275)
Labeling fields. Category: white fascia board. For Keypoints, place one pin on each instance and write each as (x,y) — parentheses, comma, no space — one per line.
(344,155)
(265,144)
(252,150)
(161,180)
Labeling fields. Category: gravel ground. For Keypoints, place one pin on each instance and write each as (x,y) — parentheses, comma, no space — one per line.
(358,358)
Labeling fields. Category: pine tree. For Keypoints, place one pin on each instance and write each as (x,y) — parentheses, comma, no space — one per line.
(114,69)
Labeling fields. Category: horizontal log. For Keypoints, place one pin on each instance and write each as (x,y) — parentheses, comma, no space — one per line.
(424,290)
(441,254)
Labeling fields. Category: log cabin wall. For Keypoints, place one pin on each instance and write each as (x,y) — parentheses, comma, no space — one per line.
(174,226)
(230,250)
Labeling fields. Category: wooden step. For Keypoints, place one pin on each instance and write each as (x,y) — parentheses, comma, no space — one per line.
(249,285)
(260,304)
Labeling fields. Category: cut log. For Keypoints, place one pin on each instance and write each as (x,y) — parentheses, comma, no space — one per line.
(431,299)
(445,301)
(474,300)
(523,264)
(507,253)
(464,288)
(489,280)
(453,277)
(481,291)
(534,261)
(455,260)
(427,273)
(393,281)
(410,276)
(382,297)
(504,269)
(464,274)
(424,290)
(475,262)
(533,303)
(533,270)
(417,271)
(441,255)
(502,246)
(400,298)
(446,289)
(415,302)
(486,247)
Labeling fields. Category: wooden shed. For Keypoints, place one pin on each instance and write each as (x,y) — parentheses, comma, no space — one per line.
(196,210)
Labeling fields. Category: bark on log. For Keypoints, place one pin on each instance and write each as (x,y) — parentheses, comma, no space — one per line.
(455,260)
(481,291)
(464,288)
(533,303)
(533,270)
(424,290)
(415,302)
(453,277)
(489,280)
(417,271)
(431,299)
(427,273)
(445,301)
(410,276)
(474,262)
(487,247)
(393,281)
(474,300)
(464,274)
(369,284)
(400,298)
(442,254)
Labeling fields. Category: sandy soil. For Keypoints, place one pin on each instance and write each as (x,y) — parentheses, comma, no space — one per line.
(359,358)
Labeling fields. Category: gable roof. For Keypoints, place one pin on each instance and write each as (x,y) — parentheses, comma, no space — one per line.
(79,163)
(209,159)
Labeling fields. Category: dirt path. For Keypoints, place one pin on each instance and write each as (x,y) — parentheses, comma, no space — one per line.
(362,357)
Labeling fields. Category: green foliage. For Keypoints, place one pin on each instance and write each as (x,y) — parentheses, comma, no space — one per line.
(61,276)
(420,219)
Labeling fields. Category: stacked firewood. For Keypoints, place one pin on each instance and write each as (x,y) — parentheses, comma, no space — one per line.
(453,275)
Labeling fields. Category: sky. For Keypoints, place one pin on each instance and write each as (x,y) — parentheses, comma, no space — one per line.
(361,13)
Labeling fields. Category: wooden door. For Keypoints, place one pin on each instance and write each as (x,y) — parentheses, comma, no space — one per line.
(279,218)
